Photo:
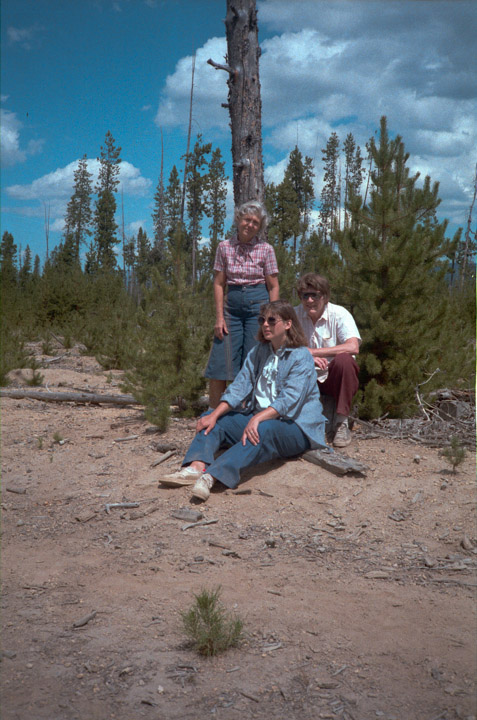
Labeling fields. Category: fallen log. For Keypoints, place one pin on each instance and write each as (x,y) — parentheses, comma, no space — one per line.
(335,462)
(77,397)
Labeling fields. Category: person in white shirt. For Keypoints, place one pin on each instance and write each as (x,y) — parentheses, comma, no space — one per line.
(333,340)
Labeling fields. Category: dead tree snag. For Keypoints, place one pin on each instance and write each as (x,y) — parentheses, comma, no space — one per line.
(244,101)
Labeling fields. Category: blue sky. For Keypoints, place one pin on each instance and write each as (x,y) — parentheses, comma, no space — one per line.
(73,70)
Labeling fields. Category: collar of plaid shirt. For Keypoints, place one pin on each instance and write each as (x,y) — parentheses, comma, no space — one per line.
(235,241)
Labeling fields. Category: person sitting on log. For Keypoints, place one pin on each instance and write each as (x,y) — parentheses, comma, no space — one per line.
(271,410)
(333,340)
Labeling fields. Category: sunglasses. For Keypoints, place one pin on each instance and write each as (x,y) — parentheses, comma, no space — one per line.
(270,320)
(312,295)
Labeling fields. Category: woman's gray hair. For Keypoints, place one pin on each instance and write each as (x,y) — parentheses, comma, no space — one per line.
(255,208)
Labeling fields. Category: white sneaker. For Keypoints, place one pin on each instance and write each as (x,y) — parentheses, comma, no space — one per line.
(342,436)
(186,476)
(203,487)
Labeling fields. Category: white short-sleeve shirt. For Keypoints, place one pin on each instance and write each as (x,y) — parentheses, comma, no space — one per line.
(334,327)
(266,390)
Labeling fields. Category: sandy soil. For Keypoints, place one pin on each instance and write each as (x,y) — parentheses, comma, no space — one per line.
(357,593)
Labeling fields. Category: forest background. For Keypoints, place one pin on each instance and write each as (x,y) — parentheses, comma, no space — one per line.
(378,240)
(374,231)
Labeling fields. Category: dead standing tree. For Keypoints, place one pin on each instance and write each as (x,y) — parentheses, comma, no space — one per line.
(244,101)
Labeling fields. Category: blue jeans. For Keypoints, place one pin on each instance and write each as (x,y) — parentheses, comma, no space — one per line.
(242,306)
(278,439)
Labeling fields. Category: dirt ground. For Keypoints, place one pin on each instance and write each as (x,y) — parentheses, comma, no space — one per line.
(357,593)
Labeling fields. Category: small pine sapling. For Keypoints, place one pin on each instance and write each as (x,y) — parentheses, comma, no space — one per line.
(36,378)
(67,340)
(454,453)
(210,628)
(47,347)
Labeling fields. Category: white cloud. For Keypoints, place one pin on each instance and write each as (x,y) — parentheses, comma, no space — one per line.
(35,147)
(133,227)
(131,180)
(10,139)
(59,183)
(210,90)
(23,36)
(58,225)
(274,173)
(11,150)
(53,191)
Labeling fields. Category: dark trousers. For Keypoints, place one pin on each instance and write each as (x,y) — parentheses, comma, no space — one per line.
(342,382)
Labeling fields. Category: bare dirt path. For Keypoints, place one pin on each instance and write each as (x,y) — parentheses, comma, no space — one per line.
(358,594)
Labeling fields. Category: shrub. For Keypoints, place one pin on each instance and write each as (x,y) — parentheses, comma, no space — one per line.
(210,628)
(455,453)
(36,378)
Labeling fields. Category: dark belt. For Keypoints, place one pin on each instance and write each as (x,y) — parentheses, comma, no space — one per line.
(241,287)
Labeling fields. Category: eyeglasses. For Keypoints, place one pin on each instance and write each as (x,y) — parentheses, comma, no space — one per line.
(312,295)
(270,320)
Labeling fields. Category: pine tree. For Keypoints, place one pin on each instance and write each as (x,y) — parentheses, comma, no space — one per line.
(455,453)
(467,247)
(215,204)
(354,171)
(143,257)
(105,225)
(172,205)
(197,185)
(392,279)
(173,341)
(8,259)
(330,194)
(36,268)
(12,304)
(318,256)
(158,215)
(282,206)
(300,174)
(25,272)
(159,222)
(78,211)
(91,260)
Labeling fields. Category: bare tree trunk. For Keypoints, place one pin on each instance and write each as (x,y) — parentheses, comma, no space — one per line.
(244,101)
(468,233)
(123,235)
(189,132)
(161,207)
(184,184)
(47,227)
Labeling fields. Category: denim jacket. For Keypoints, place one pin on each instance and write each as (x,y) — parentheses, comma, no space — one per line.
(297,399)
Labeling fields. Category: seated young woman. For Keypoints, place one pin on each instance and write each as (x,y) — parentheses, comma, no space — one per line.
(271,410)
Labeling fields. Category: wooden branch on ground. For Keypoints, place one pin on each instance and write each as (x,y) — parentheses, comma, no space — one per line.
(335,462)
(48,361)
(55,337)
(82,398)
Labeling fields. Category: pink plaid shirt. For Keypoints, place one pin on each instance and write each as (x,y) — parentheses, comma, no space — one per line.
(245,263)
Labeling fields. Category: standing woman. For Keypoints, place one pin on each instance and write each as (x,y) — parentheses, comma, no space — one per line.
(246,276)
